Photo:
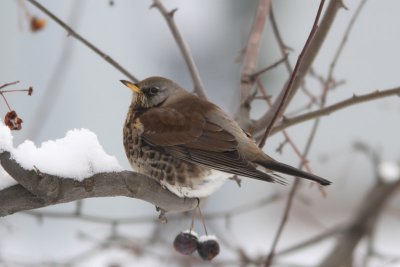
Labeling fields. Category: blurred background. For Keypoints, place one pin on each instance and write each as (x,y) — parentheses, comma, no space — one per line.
(75,88)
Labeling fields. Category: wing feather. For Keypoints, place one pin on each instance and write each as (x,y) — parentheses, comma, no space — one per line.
(187,134)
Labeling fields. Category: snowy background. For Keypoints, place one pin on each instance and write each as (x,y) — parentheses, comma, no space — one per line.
(87,94)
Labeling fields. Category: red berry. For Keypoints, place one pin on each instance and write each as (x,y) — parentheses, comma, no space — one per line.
(186,242)
(208,248)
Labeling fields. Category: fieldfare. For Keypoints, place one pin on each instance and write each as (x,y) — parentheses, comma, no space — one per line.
(180,140)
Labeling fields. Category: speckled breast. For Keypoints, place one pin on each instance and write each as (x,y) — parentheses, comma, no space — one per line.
(158,165)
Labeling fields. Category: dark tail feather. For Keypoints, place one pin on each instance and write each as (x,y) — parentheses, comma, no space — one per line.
(284,168)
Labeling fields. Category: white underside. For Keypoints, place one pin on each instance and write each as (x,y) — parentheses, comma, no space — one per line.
(203,188)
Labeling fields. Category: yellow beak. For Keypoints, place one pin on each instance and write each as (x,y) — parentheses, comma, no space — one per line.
(132,86)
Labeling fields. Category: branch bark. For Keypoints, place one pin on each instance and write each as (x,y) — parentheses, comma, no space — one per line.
(36,190)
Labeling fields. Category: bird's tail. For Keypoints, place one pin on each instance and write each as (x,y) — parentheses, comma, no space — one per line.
(287,169)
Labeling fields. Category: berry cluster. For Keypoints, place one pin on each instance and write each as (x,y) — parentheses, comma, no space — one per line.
(187,242)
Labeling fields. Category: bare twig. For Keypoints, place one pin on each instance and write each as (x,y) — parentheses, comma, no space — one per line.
(344,40)
(83,40)
(52,90)
(293,190)
(273,65)
(282,224)
(354,100)
(362,223)
(284,50)
(307,149)
(278,111)
(183,47)
(285,134)
(8,84)
(312,241)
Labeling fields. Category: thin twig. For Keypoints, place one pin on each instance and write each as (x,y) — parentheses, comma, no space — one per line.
(5,100)
(354,100)
(290,84)
(51,92)
(314,240)
(293,190)
(284,50)
(8,84)
(290,199)
(311,53)
(183,47)
(83,40)
(273,65)
(313,132)
(344,40)
(285,134)
(229,213)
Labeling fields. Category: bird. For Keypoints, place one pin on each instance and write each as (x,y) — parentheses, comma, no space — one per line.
(190,145)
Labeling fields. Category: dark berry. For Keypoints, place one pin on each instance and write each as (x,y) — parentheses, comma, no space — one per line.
(208,248)
(186,242)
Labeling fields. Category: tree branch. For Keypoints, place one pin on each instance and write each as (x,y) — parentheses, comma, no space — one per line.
(362,223)
(289,87)
(36,190)
(354,100)
(250,61)
(83,40)
(183,47)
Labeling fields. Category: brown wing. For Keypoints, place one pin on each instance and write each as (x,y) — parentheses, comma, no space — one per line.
(188,135)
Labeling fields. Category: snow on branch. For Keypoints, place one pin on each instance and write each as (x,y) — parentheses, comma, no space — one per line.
(68,169)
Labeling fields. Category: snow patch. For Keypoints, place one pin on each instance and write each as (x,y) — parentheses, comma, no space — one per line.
(191,232)
(389,171)
(205,238)
(78,155)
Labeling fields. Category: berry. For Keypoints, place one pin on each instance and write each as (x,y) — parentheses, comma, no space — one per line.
(186,242)
(208,247)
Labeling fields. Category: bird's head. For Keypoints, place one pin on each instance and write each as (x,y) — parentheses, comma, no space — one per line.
(151,92)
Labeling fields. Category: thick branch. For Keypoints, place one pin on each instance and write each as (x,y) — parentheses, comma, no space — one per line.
(363,222)
(250,60)
(183,47)
(83,40)
(38,190)
(354,100)
(309,57)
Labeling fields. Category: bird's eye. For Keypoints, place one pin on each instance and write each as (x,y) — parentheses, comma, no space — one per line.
(151,91)
(154,90)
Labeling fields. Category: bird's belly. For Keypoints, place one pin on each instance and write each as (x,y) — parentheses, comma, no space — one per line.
(182,178)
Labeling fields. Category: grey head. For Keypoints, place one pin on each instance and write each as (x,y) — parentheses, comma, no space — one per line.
(152,91)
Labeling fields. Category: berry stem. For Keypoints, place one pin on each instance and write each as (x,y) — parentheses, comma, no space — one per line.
(5,100)
(203,221)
